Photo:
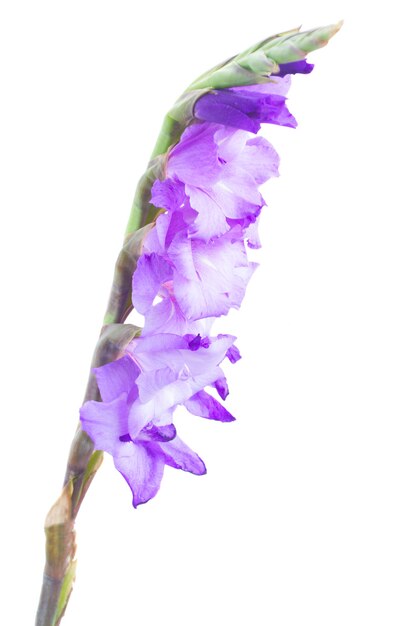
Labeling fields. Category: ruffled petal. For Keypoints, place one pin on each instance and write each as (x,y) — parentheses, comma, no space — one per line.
(168,194)
(211,221)
(259,159)
(210,278)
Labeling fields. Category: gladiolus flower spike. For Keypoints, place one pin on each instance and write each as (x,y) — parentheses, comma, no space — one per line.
(184,263)
(193,265)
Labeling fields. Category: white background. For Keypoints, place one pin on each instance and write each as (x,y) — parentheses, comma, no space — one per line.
(305,514)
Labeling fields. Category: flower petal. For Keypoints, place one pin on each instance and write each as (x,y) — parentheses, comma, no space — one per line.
(205,405)
(151,272)
(211,221)
(105,422)
(142,467)
(210,278)
(179,455)
(221,387)
(260,160)
(116,377)
(233,354)
(224,107)
(194,158)
(155,432)
(295,67)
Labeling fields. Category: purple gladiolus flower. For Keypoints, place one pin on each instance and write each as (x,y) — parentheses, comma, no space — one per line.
(213,175)
(194,279)
(248,107)
(139,393)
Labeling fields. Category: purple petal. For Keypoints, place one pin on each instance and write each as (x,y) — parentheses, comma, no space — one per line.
(221,387)
(245,107)
(142,468)
(278,85)
(116,377)
(295,67)
(205,405)
(179,455)
(206,358)
(233,354)
(211,221)
(224,108)
(161,391)
(153,382)
(230,143)
(167,317)
(252,236)
(236,192)
(260,160)
(105,422)
(194,159)
(210,278)
(154,432)
(168,194)
(151,272)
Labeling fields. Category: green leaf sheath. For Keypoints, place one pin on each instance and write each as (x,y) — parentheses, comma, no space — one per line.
(256,63)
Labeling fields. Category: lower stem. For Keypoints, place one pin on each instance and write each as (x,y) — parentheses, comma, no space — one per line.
(84,461)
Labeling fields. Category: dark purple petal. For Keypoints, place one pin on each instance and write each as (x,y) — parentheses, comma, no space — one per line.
(233,354)
(221,387)
(223,107)
(154,432)
(205,405)
(295,67)
(244,108)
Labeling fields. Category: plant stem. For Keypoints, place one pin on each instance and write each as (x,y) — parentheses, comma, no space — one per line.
(84,461)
